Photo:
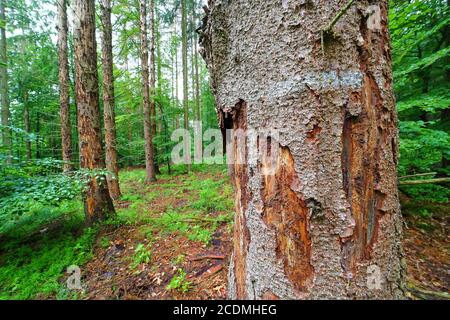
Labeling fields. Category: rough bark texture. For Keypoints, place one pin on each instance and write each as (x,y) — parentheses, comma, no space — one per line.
(4,92)
(64,86)
(108,102)
(329,218)
(149,151)
(184,54)
(97,202)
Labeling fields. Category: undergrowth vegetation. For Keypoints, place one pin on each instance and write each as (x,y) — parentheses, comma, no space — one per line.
(39,244)
(34,256)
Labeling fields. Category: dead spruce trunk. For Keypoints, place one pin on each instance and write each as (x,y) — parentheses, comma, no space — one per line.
(97,202)
(327,224)
(64,86)
(109,117)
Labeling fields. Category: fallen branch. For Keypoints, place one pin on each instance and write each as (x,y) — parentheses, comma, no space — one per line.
(419,175)
(330,26)
(211,256)
(212,271)
(338,16)
(425,181)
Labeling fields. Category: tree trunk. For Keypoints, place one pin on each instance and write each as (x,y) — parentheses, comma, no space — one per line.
(445,114)
(172,79)
(197,81)
(149,151)
(153,83)
(64,86)
(38,135)
(184,50)
(4,92)
(177,115)
(108,102)
(129,110)
(97,201)
(198,130)
(75,140)
(326,223)
(26,120)
(159,74)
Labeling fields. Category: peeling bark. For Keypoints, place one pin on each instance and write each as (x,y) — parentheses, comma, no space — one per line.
(97,201)
(236,120)
(287,213)
(327,224)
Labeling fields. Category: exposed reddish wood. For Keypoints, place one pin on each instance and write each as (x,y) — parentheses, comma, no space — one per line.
(286,213)
(237,119)
(363,138)
(268,295)
(213,270)
(312,135)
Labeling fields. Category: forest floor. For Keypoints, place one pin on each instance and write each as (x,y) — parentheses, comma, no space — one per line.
(203,265)
(183,222)
(173,240)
